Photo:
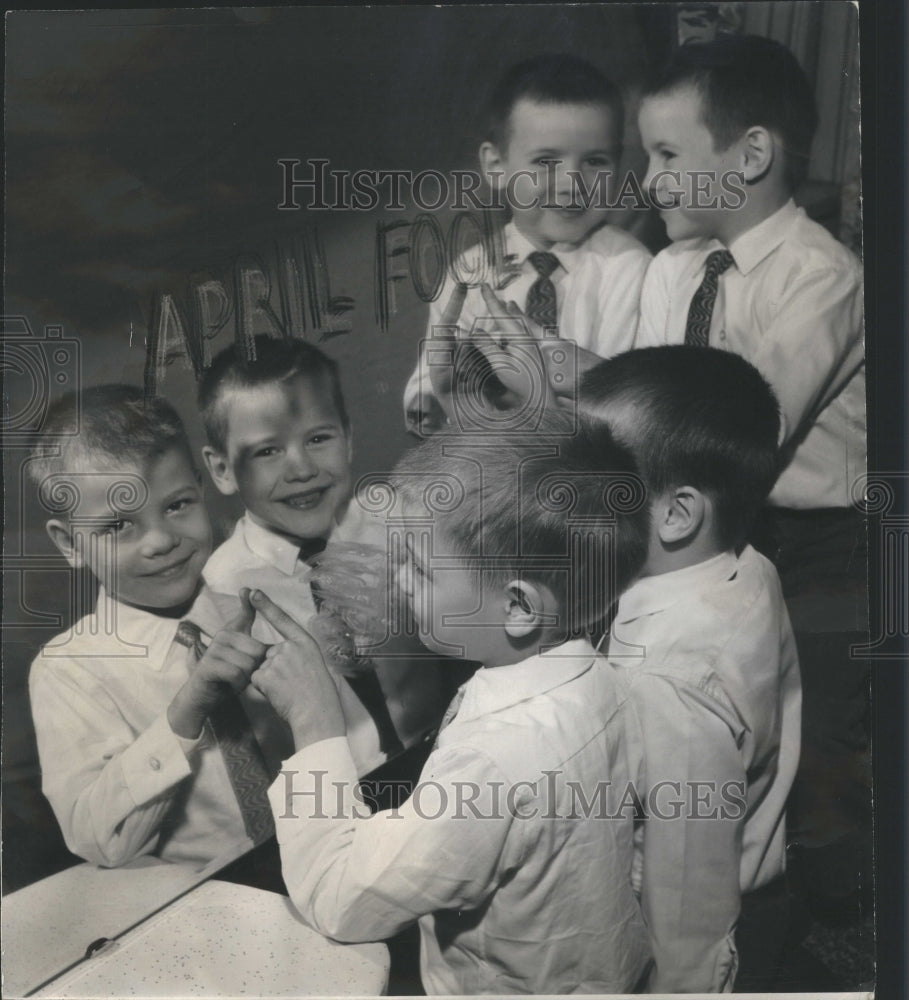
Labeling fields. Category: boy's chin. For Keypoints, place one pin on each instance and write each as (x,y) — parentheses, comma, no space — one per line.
(557,227)
(682,227)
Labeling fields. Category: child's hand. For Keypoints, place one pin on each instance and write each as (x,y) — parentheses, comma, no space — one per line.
(444,378)
(559,364)
(295,680)
(227,664)
(513,347)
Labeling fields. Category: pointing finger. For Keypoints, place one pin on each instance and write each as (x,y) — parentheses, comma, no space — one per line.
(452,312)
(279,618)
(243,621)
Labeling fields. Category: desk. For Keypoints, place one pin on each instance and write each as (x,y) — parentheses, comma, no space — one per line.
(218,939)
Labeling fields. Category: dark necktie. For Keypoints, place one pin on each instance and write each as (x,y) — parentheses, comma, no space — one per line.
(541,299)
(311,548)
(700,312)
(242,755)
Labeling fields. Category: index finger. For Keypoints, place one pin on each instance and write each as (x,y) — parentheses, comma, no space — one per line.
(497,307)
(278,618)
(452,311)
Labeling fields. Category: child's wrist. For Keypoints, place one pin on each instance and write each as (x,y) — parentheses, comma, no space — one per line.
(309,728)
(185,715)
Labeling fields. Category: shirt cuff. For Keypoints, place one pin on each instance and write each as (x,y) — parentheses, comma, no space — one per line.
(154,762)
(318,782)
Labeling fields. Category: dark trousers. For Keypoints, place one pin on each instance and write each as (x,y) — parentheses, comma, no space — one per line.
(821,556)
(761,936)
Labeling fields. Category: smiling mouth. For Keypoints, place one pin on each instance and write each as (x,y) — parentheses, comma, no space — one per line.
(175,569)
(569,210)
(307,500)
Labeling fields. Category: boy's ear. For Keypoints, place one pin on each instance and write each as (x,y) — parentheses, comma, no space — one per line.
(490,159)
(524,608)
(61,535)
(758,151)
(681,513)
(220,471)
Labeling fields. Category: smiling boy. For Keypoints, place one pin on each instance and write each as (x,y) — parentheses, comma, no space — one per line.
(764,281)
(554,123)
(131,705)
(280,439)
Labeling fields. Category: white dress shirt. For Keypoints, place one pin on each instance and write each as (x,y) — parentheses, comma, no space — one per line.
(512,892)
(791,305)
(598,289)
(120,782)
(710,658)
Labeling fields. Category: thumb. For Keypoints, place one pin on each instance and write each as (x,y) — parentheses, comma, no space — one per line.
(244,619)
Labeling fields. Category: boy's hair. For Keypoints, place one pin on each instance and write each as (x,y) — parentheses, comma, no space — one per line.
(275,361)
(539,508)
(105,428)
(699,417)
(549,79)
(743,81)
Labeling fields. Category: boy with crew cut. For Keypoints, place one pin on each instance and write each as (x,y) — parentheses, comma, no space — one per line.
(279,437)
(704,640)
(150,740)
(553,135)
(517,887)
(753,275)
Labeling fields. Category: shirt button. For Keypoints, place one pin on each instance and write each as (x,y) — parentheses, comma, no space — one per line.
(154,763)
(722,334)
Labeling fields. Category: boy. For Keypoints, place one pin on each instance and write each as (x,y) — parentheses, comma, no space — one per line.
(790,302)
(704,639)
(520,883)
(550,117)
(279,437)
(140,731)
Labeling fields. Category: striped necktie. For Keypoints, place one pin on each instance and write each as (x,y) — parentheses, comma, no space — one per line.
(700,312)
(242,755)
(541,298)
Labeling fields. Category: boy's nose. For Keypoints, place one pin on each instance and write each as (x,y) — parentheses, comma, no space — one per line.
(159,541)
(300,465)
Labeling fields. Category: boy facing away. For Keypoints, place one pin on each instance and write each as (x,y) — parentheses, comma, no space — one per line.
(143,715)
(554,129)
(279,437)
(704,639)
(762,280)
(514,850)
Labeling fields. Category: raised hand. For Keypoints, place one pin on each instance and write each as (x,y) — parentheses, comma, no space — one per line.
(295,680)
(227,664)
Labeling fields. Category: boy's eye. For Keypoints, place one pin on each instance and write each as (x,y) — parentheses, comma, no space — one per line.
(115,527)
(266,452)
(181,504)
(320,438)
(599,161)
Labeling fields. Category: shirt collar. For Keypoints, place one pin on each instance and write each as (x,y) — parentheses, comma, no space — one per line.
(751,247)
(517,244)
(496,688)
(135,627)
(274,549)
(652,594)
